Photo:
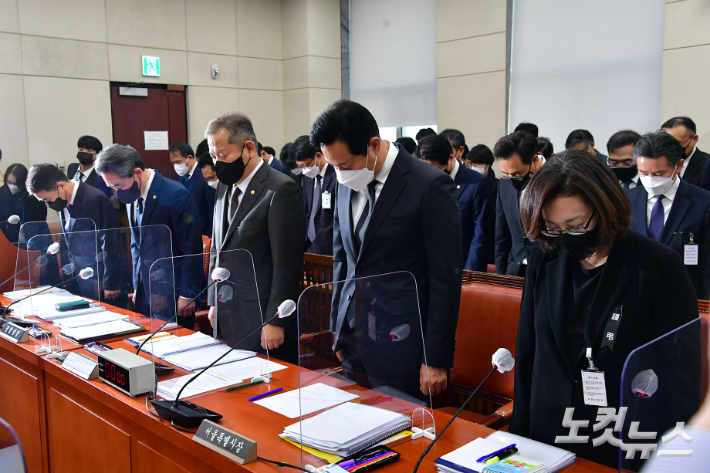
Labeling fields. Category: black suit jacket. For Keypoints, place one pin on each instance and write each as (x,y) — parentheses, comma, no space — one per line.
(643,276)
(33,210)
(204,199)
(323,244)
(493,181)
(511,244)
(477,218)
(270,225)
(93,179)
(690,213)
(276,164)
(698,170)
(415,226)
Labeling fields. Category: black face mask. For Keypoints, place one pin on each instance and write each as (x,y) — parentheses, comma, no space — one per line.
(59,204)
(231,173)
(518,184)
(579,246)
(85,158)
(625,174)
(129,195)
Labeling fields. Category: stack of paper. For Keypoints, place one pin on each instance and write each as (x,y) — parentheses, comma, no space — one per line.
(95,332)
(200,358)
(17,295)
(217,377)
(179,344)
(347,429)
(304,401)
(90,319)
(554,458)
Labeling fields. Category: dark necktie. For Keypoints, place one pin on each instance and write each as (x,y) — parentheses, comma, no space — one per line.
(139,212)
(79,176)
(314,210)
(183,180)
(627,185)
(655,224)
(235,203)
(365,214)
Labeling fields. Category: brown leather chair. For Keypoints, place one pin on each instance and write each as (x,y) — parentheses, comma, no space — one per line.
(488,320)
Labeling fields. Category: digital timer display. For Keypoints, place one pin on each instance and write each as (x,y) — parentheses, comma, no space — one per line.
(116,375)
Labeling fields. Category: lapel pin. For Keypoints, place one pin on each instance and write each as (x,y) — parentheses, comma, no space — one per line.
(155,196)
(252,192)
(458,187)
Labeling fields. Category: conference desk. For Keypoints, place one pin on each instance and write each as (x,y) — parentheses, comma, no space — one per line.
(68,424)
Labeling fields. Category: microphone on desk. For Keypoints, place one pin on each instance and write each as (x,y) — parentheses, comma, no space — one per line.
(86,273)
(187,414)
(13,219)
(53,249)
(218,275)
(502,361)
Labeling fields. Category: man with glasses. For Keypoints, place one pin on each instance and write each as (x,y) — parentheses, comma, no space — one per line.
(518,160)
(695,161)
(319,191)
(669,210)
(621,158)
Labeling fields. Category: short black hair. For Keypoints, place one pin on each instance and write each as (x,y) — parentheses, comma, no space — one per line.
(622,138)
(544,147)
(259,147)
(203,147)
(680,121)
(529,127)
(303,149)
(434,148)
(455,137)
(19,171)
(520,142)
(0,155)
(480,154)
(90,142)
(348,122)
(658,144)
(181,148)
(577,137)
(407,143)
(270,150)
(205,160)
(285,156)
(44,177)
(424,132)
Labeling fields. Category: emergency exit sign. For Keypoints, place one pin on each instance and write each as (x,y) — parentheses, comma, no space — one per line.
(151,66)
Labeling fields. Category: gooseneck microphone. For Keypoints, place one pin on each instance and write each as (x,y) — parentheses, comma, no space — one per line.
(187,414)
(502,361)
(53,249)
(218,275)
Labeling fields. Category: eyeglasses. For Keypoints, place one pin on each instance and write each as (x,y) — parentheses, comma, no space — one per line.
(575,231)
(626,163)
(517,178)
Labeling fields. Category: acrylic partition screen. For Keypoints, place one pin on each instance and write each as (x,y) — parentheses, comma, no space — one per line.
(591,65)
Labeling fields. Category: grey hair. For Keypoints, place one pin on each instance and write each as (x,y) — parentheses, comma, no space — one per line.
(237,124)
(120,160)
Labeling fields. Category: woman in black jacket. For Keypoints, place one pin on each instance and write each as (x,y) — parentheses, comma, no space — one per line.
(588,270)
(14,200)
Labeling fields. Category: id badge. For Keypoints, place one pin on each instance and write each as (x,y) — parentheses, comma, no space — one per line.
(325,200)
(594,388)
(690,257)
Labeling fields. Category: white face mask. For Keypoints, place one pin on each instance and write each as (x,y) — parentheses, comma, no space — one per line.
(297,171)
(181,168)
(14,188)
(481,170)
(312,171)
(359,179)
(213,184)
(656,185)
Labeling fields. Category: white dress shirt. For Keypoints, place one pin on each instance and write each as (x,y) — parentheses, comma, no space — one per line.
(85,174)
(322,175)
(271,158)
(242,187)
(455,169)
(359,199)
(687,160)
(633,183)
(667,202)
(144,196)
(67,216)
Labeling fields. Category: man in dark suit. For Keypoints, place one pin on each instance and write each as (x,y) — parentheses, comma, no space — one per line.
(290,163)
(183,160)
(154,206)
(475,201)
(518,160)
(83,210)
(621,158)
(272,161)
(260,210)
(480,159)
(319,192)
(694,161)
(583,139)
(668,209)
(89,148)
(457,141)
(394,213)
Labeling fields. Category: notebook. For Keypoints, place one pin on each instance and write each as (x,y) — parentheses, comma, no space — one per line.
(463,459)
(52,314)
(554,458)
(179,344)
(91,333)
(200,358)
(347,428)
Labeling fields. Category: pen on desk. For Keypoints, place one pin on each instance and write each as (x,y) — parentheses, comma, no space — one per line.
(264,395)
(244,385)
(495,454)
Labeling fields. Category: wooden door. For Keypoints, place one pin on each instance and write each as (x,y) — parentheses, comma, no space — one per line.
(162,110)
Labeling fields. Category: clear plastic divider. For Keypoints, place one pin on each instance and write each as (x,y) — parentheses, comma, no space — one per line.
(12,459)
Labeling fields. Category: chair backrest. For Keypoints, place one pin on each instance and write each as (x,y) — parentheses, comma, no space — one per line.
(488,320)
(206,251)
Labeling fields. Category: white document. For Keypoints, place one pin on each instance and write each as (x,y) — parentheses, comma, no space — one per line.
(156,140)
(201,358)
(554,458)
(467,455)
(179,344)
(98,330)
(90,319)
(312,398)
(17,295)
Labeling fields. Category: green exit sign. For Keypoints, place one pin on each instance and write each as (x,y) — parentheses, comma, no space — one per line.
(151,66)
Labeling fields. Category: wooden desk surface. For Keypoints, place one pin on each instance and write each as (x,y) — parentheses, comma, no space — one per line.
(241,416)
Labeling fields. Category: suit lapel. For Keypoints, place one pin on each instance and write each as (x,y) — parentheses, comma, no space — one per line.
(694,166)
(91,178)
(308,189)
(151,198)
(192,182)
(390,191)
(639,210)
(345,217)
(250,197)
(76,206)
(559,288)
(220,218)
(681,204)
(460,182)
